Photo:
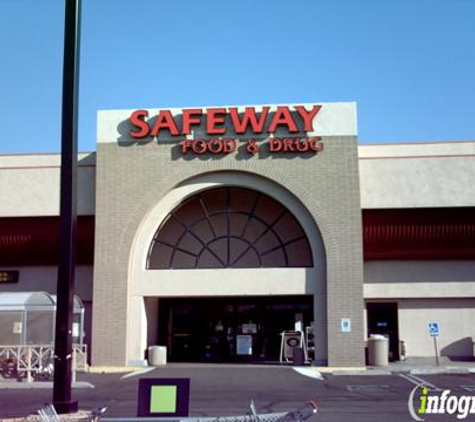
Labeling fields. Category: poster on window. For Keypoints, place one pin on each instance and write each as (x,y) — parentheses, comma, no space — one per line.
(249,328)
(17,327)
(244,345)
(75,329)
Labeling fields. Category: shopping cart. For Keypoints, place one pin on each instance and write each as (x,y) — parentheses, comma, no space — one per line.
(48,414)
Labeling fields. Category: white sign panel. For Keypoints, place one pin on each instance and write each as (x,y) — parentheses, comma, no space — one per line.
(434,329)
(17,327)
(346,325)
(249,328)
(244,345)
(290,339)
(332,119)
(75,329)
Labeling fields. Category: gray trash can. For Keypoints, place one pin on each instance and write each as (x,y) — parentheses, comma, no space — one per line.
(157,355)
(298,357)
(378,350)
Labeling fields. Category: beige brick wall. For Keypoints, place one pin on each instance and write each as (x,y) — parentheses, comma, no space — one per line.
(132,179)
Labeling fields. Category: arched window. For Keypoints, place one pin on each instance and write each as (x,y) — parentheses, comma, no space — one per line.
(229,227)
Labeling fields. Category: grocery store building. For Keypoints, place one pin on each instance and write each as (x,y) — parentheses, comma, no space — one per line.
(201,228)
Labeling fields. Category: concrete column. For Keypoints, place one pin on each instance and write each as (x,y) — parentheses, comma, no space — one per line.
(137,331)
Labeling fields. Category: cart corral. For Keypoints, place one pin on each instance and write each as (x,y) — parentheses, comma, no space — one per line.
(27,322)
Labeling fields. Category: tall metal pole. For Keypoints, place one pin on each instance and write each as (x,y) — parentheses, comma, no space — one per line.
(68,209)
(436,352)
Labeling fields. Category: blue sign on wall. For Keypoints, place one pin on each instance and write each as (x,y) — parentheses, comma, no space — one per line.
(434,329)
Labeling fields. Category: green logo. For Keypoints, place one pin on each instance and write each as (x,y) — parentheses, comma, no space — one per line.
(423,402)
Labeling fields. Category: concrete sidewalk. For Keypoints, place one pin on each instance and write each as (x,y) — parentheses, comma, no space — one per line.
(416,366)
(429,366)
(20,385)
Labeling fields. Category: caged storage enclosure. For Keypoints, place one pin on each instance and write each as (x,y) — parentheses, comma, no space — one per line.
(28,318)
(27,330)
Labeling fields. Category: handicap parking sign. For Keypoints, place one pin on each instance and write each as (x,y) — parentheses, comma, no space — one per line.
(434,329)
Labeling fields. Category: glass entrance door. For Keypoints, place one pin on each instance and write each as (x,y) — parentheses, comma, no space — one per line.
(229,329)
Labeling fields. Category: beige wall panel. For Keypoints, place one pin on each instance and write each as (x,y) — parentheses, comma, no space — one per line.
(29,185)
(419,279)
(417,175)
(456,318)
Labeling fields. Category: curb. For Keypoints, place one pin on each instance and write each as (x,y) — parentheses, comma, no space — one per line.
(369,372)
(412,371)
(40,385)
(436,371)
(114,369)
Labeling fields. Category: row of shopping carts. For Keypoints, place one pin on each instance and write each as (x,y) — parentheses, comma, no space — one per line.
(48,414)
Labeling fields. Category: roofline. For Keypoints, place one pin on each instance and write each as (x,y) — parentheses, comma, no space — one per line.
(34,154)
(384,144)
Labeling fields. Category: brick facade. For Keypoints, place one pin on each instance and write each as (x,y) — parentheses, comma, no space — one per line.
(133,177)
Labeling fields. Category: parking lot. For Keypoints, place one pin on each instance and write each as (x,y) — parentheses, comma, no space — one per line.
(228,390)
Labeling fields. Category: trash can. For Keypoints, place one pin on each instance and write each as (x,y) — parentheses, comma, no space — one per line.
(157,355)
(298,356)
(378,350)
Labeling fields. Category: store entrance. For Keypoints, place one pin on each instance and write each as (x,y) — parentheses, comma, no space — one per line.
(229,329)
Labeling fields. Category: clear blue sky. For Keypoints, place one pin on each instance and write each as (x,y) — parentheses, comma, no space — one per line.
(409,64)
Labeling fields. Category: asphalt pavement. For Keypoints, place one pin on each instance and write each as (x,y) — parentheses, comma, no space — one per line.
(228,390)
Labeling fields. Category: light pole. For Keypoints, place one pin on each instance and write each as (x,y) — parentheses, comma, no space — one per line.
(68,211)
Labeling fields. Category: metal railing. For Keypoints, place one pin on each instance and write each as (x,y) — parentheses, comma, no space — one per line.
(34,360)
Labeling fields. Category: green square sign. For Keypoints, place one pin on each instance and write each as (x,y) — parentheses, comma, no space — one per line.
(163,399)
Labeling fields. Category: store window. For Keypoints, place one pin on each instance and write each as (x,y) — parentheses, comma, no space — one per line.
(229,227)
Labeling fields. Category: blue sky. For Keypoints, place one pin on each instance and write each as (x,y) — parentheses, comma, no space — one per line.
(409,64)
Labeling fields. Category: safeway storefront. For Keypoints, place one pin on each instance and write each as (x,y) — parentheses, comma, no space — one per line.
(201,228)
(256,206)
